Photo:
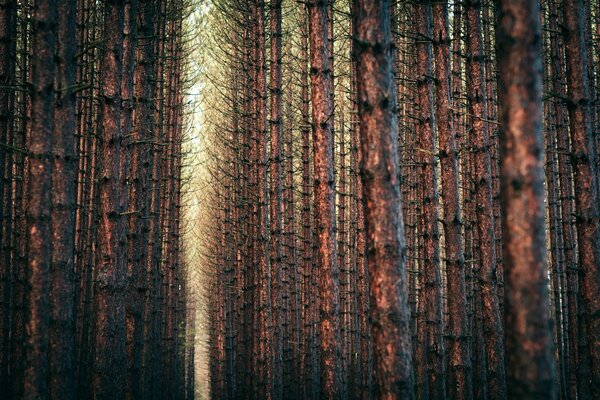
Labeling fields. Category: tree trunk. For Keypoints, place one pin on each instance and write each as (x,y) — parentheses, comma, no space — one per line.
(389,313)
(39,199)
(275,122)
(583,159)
(459,379)
(62,327)
(322,119)
(476,96)
(109,368)
(529,354)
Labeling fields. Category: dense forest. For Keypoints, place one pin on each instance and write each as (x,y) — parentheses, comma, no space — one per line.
(316,199)
(94,300)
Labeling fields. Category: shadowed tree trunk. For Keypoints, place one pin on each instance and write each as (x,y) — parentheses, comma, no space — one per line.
(583,159)
(39,199)
(491,326)
(109,297)
(62,327)
(8,14)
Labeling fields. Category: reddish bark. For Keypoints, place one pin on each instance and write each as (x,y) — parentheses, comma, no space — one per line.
(583,159)
(459,379)
(39,199)
(276,177)
(322,119)
(109,301)
(62,327)
(389,313)
(482,180)
(529,354)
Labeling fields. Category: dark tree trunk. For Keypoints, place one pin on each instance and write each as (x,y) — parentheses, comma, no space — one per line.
(39,199)
(8,31)
(109,367)
(491,326)
(62,327)
(583,159)
(140,173)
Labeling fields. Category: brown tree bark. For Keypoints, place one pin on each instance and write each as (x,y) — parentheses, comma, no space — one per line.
(476,96)
(583,159)
(529,354)
(62,327)
(322,119)
(276,177)
(430,349)
(8,26)
(385,232)
(139,175)
(109,367)
(459,374)
(39,199)
(308,356)
(264,315)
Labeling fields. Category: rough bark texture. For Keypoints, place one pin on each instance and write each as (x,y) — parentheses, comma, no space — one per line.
(583,159)
(276,171)
(7,76)
(39,199)
(490,326)
(109,297)
(322,119)
(139,199)
(529,351)
(389,315)
(459,374)
(430,349)
(62,328)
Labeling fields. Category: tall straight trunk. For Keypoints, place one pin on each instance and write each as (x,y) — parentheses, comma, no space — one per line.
(151,333)
(62,327)
(431,352)
(459,379)
(327,279)
(39,199)
(585,172)
(8,26)
(139,175)
(130,160)
(364,344)
(346,298)
(18,247)
(389,313)
(264,314)
(308,356)
(86,198)
(276,171)
(529,354)
(292,365)
(476,96)
(248,210)
(109,367)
